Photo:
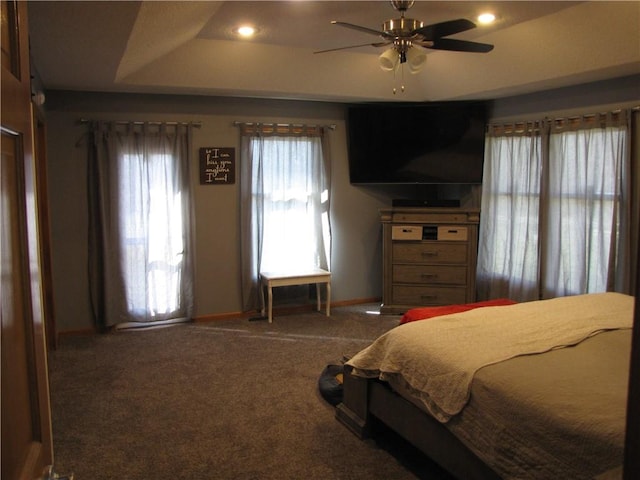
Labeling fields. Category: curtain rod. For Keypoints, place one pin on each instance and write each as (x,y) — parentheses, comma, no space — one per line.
(594,115)
(282,125)
(508,128)
(532,126)
(124,122)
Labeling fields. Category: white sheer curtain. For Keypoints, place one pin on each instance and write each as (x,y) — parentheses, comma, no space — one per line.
(508,248)
(555,209)
(588,168)
(285,204)
(140,224)
(288,187)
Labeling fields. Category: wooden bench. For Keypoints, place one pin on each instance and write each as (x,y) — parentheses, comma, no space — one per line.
(281,279)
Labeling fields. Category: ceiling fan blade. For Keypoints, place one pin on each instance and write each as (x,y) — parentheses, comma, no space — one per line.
(363,29)
(444,29)
(378,44)
(460,45)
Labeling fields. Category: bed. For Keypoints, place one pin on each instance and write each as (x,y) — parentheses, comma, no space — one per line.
(516,391)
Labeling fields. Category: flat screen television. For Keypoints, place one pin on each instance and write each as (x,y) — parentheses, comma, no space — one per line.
(416,143)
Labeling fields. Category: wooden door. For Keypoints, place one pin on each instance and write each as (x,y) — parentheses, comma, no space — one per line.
(44,224)
(26,417)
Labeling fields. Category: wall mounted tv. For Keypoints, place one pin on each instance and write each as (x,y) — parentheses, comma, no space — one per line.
(416,143)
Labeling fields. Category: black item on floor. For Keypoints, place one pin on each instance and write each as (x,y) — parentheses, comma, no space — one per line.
(330,384)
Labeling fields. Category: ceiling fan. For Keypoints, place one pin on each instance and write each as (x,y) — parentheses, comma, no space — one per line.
(402,34)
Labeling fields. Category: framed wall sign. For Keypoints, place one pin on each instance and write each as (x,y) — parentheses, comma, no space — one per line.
(217,165)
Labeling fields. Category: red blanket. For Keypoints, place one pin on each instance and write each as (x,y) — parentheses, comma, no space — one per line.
(423,313)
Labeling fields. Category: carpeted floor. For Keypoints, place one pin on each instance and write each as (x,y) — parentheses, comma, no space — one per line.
(232,399)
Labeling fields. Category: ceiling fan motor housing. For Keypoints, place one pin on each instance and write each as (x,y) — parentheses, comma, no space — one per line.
(401,30)
(401,27)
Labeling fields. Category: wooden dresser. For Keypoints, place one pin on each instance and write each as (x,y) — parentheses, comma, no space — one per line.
(429,257)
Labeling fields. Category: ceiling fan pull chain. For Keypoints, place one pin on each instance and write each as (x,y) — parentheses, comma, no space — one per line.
(395,80)
(400,67)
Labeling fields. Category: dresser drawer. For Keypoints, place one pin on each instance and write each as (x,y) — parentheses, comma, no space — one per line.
(406,232)
(429,252)
(458,234)
(430,274)
(419,295)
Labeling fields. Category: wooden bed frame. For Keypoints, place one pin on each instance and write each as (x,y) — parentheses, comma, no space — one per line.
(365,400)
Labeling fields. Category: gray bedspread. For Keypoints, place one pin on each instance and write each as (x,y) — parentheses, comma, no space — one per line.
(556,415)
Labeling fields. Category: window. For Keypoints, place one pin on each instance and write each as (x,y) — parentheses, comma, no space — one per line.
(554,230)
(508,249)
(585,200)
(288,191)
(140,235)
(152,241)
(285,202)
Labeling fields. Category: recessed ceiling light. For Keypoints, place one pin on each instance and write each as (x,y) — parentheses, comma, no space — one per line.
(246,31)
(486,18)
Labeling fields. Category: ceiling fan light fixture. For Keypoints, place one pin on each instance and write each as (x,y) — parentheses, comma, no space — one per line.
(407,34)
(416,59)
(389,60)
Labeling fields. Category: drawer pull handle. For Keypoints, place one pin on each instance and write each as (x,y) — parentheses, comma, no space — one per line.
(428,297)
(429,254)
(429,275)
